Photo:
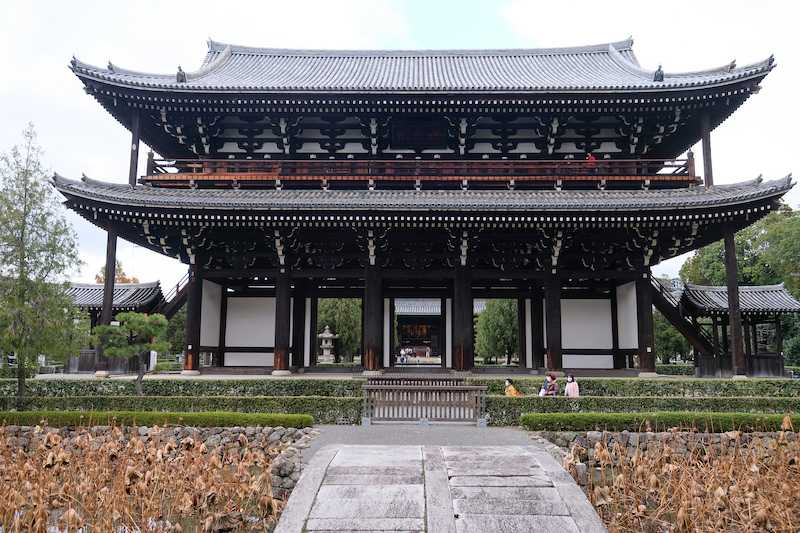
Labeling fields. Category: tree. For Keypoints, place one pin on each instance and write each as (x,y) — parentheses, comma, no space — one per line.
(668,340)
(119,275)
(343,315)
(37,249)
(175,333)
(496,330)
(136,335)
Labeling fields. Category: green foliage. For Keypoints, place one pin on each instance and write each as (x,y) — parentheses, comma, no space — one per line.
(119,275)
(637,422)
(37,249)
(496,330)
(675,369)
(175,333)
(668,341)
(142,418)
(136,335)
(343,315)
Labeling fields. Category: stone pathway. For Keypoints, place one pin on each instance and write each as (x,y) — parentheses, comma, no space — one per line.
(429,488)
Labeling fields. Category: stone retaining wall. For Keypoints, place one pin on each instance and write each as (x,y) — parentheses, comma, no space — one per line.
(560,444)
(286,465)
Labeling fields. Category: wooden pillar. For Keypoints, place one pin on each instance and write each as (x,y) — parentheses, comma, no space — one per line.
(748,341)
(537,326)
(463,325)
(522,340)
(373,319)
(552,312)
(705,135)
(616,354)
(107,311)
(194,299)
(223,327)
(134,149)
(283,310)
(717,348)
(298,323)
(644,321)
(734,311)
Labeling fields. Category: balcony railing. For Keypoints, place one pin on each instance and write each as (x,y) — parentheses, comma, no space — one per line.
(419,173)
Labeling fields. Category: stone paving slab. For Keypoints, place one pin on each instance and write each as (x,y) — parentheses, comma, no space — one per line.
(432,489)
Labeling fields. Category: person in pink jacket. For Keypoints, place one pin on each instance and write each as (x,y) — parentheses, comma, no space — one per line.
(572,386)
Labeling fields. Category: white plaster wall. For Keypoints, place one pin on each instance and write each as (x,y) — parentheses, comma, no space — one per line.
(249,359)
(626,316)
(250,322)
(599,361)
(586,324)
(211,304)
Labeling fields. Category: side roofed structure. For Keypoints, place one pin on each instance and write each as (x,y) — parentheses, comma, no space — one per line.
(556,177)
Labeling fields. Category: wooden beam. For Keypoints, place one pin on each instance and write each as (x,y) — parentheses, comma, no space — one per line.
(107,311)
(705,135)
(133,170)
(644,320)
(298,323)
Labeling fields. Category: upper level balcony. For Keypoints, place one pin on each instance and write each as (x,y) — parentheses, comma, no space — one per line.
(427,174)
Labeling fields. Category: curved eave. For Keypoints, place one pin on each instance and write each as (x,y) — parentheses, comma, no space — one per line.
(550,202)
(761,300)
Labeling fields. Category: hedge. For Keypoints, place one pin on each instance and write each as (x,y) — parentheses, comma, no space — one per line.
(675,369)
(337,388)
(677,387)
(144,418)
(506,411)
(324,410)
(662,421)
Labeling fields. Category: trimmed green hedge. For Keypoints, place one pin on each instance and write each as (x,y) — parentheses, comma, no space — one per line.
(130,418)
(673,387)
(662,421)
(337,388)
(506,411)
(323,410)
(675,369)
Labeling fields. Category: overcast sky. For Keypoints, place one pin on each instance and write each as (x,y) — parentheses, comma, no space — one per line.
(39,38)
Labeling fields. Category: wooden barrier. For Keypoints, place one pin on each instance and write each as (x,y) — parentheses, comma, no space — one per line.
(432,401)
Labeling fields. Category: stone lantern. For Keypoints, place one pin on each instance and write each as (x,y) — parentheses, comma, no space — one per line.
(327,345)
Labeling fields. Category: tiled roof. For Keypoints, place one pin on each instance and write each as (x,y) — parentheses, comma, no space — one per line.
(429,306)
(396,201)
(603,67)
(761,299)
(127,296)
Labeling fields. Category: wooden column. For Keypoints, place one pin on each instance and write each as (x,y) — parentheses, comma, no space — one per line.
(644,321)
(283,316)
(463,325)
(107,311)
(298,323)
(616,354)
(373,319)
(134,149)
(194,299)
(522,336)
(537,326)
(552,312)
(717,347)
(705,135)
(223,327)
(734,311)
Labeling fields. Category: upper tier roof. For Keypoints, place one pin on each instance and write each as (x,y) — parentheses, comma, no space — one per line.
(599,68)
(759,299)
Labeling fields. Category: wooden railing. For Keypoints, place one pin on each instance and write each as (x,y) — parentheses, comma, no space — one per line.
(430,402)
(324,172)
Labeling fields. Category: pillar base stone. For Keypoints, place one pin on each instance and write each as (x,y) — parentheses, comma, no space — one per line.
(101,374)
(190,372)
(648,374)
(739,376)
(281,372)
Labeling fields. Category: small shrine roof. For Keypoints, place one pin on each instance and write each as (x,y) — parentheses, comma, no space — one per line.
(429,306)
(599,68)
(393,201)
(760,299)
(127,296)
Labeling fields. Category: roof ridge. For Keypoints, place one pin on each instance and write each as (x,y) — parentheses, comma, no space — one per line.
(214,46)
